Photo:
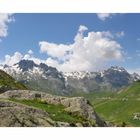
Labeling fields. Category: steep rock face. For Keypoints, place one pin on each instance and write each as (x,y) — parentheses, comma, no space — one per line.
(117,77)
(25,65)
(76,105)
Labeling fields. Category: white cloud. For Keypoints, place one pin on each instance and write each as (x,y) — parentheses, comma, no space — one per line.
(91,52)
(104,16)
(82,28)
(52,62)
(4,20)
(30,52)
(30,56)
(17,56)
(52,49)
(11,60)
(87,53)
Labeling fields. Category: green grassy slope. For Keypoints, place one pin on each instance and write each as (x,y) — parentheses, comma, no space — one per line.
(56,112)
(132,91)
(7,82)
(122,108)
(118,111)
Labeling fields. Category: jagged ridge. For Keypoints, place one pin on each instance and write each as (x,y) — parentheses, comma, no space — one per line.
(44,78)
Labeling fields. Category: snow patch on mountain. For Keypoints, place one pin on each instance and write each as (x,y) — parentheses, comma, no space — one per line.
(79,75)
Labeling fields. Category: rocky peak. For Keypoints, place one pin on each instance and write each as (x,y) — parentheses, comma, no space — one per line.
(25,65)
(135,76)
(44,66)
(116,69)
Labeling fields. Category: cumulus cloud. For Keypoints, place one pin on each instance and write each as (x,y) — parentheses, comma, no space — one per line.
(4,20)
(30,52)
(11,60)
(82,28)
(90,52)
(17,56)
(87,53)
(52,49)
(30,56)
(104,16)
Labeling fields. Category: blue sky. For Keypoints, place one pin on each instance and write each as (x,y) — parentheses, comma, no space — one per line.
(25,31)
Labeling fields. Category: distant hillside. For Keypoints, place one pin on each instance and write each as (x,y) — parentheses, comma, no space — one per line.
(7,82)
(120,109)
(132,90)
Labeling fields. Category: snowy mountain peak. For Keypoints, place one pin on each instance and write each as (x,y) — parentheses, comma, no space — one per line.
(26,65)
(78,75)
(82,74)
(135,76)
(117,68)
(43,77)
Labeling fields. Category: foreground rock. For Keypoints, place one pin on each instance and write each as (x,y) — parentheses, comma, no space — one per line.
(76,105)
(17,115)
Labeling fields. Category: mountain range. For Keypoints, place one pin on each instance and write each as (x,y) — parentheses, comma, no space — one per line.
(21,97)
(42,77)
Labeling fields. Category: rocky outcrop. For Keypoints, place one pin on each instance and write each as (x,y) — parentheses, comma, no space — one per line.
(17,115)
(75,105)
